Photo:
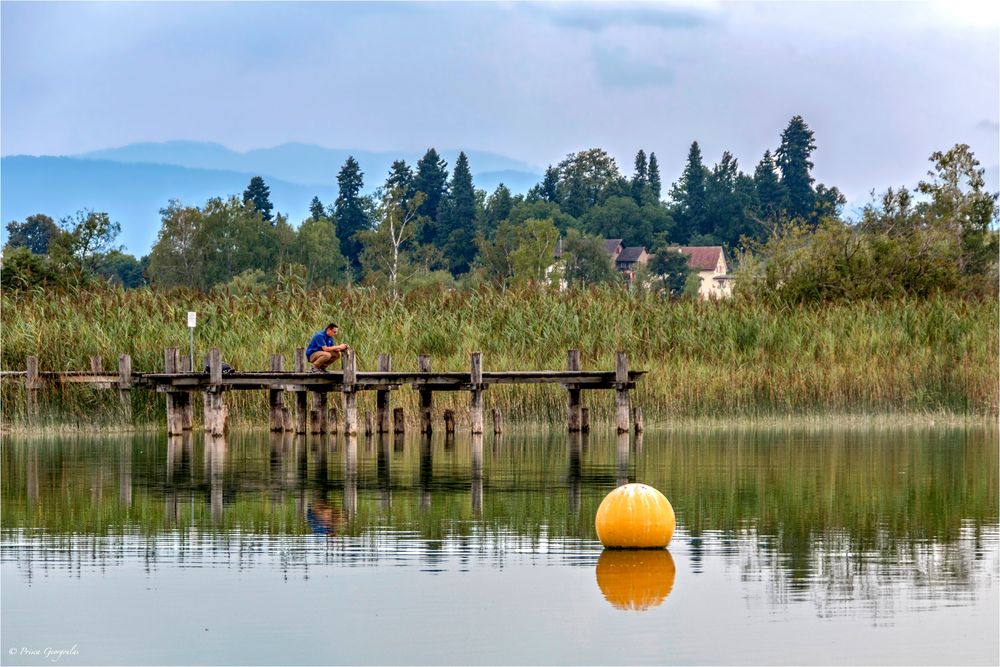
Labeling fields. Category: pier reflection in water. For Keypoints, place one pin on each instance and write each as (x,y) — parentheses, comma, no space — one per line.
(883,530)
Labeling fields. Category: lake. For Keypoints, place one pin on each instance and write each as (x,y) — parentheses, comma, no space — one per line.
(794,546)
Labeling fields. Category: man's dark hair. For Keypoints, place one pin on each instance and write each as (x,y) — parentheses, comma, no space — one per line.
(332,325)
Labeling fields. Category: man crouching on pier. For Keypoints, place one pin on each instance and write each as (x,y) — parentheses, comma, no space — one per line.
(323,349)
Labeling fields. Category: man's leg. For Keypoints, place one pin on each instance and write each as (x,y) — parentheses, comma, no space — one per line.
(321,359)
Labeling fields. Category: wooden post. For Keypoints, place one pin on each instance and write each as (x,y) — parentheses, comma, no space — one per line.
(276,397)
(640,425)
(424,366)
(398,421)
(187,410)
(32,384)
(125,385)
(368,422)
(449,421)
(215,408)
(350,394)
(497,421)
(584,420)
(621,393)
(96,365)
(175,404)
(287,421)
(573,419)
(476,402)
(382,396)
(301,397)
(318,414)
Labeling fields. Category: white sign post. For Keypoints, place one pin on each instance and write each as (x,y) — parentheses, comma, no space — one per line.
(192,321)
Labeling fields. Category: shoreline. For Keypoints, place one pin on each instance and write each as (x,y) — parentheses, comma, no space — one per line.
(797,422)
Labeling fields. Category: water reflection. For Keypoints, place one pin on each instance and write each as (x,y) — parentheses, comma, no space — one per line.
(828,516)
(636,579)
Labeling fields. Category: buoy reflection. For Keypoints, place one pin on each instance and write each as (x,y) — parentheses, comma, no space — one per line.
(635,580)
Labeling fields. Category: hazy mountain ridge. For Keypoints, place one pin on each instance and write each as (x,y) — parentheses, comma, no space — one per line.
(132,183)
(301,163)
(131,193)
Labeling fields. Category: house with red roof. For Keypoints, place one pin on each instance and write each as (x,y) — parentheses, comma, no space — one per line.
(710,263)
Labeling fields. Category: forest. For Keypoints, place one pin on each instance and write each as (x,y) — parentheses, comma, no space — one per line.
(428,225)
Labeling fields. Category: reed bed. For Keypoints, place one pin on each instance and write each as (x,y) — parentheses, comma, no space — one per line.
(704,359)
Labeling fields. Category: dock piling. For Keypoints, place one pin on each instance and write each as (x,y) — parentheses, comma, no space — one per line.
(382,396)
(584,420)
(187,397)
(350,393)
(175,401)
(573,417)
(640,425)
(449,422)
(125,385)
(301,396)
(32,383)
(497,421)
(621,392)
(215,408)
(398,421)
(424,366)
(318,414)
(276,397)
(476,399)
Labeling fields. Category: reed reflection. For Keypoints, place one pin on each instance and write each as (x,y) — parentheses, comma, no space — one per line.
(778,507)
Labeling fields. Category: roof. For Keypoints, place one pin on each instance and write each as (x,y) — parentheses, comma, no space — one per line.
(631,254)
(610,245)
(702,258)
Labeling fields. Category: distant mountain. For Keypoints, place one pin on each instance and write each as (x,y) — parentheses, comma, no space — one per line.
(307,163)
(132,183)
(131,193)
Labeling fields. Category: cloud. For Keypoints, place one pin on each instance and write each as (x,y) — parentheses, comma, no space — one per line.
(988,125)
(617,67)
(596,17)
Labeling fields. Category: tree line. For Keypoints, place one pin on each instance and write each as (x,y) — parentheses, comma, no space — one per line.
(427,225)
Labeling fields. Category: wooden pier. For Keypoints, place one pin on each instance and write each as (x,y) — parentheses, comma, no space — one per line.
(178,381)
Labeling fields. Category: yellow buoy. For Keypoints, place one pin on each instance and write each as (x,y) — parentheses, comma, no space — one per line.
(635,516)
(635,580)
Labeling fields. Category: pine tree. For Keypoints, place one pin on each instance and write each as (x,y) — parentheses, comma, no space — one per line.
(689,197)
(770,191)
(640,177)
(316,209)
(498,207)
(431,179)
(260,195)
(401,176)
(550,185)
(456,229)
(653,176)
(793,160)
(349,210)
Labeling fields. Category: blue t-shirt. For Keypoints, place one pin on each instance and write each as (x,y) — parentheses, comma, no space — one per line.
(318,342)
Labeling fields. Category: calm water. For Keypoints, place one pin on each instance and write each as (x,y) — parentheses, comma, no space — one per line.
(820,546)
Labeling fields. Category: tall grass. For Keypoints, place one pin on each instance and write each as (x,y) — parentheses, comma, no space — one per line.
(733,358)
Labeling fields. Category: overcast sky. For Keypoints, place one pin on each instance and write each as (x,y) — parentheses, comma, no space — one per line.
(881,84)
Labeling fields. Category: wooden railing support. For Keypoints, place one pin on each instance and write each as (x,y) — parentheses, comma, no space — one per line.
(621,392)
(424,366)
(573,416)
(476,398)
(350,392)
